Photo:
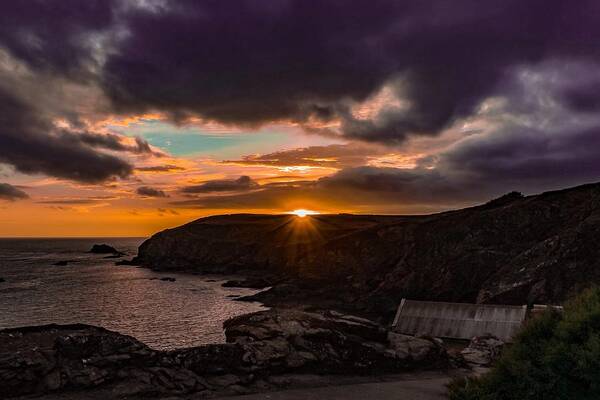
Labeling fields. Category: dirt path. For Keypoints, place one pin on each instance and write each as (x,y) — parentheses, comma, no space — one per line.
(410,386)
(417,389)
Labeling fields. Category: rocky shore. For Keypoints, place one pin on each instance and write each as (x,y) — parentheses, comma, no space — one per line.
(512,250)
(264,351)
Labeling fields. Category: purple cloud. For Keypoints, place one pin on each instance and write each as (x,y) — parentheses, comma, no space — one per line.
(11,193)
(31,144)
(249,63)
(147,191)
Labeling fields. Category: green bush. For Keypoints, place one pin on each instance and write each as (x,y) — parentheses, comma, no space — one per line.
(556,356)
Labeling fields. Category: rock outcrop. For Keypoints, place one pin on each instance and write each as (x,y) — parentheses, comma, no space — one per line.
(164,279)
(37,360)
(482,351)
(330,342)
(260,348)
(512,250)
(104,249)
(256,283)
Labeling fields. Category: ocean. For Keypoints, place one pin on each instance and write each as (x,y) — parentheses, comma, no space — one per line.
(90,289)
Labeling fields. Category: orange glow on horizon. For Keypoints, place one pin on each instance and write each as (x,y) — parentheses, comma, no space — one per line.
(301,212)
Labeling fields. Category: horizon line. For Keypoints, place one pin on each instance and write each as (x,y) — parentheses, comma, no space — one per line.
(74,237)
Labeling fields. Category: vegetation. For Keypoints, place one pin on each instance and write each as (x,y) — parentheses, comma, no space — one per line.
(556,356)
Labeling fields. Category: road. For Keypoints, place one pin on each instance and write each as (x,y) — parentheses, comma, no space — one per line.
(417,389)
(417,386)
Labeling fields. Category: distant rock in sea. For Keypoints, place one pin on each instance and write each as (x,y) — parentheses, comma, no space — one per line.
(104,249)
(62,263)
(251,283)
(164,279)
(2,280)
(125,262)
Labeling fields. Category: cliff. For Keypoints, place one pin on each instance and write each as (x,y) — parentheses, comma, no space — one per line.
(230,243)
(512,250)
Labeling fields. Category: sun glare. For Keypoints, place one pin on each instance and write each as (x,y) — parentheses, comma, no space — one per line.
(303,213)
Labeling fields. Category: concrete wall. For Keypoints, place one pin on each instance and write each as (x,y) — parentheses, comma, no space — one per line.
(458,320)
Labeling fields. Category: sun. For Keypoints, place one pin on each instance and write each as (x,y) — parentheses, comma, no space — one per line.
(303,213)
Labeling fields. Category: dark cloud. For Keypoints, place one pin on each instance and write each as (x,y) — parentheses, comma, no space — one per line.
(45,47)
(111,142)
(243,183)
(163,211)
(335,155)
(247,62)
(513,157)
(586,99)
(142,146)
(32,144)
(267,198)
(71,202)
(526,159)
(309,61)
(530,141)
(367,188)
(250,62)
(59,36)
(160,168)
(148,191)
(11,193)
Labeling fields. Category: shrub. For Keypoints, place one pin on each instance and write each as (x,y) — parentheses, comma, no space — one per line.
(555,356)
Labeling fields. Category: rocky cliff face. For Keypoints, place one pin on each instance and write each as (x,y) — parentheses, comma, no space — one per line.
(514,249)
(230,243)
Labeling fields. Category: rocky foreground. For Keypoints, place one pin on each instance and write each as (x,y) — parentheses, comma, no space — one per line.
(512,250)
(261,352)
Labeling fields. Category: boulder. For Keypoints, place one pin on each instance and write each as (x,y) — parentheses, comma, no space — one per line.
(482,351)
(104,249)
(37,360)
(417,349)
(164,279)
(125,262)
(211,359)
(286,340)
(251,283)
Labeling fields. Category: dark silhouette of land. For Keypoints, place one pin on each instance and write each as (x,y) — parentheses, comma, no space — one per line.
(512,250)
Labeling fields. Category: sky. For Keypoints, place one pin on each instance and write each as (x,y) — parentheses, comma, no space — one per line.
(126,117)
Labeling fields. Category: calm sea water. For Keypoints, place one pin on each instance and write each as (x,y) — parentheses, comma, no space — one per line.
(92,290)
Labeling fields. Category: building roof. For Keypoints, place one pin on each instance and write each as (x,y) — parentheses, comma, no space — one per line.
(458,320)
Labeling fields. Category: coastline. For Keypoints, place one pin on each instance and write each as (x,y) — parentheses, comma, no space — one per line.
(40,289)
(320,288)
(265,351)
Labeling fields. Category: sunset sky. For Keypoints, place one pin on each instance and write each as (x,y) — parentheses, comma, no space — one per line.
(125,117)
